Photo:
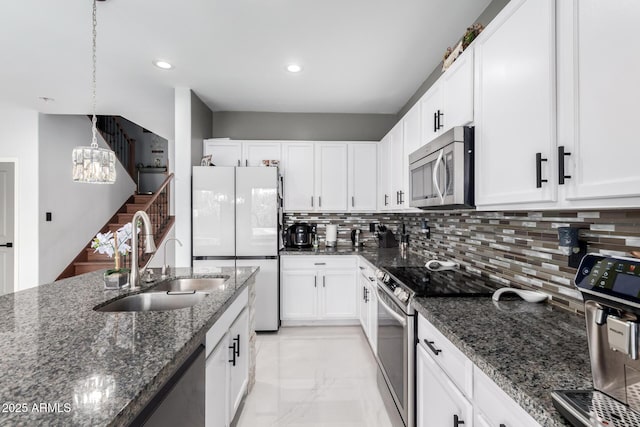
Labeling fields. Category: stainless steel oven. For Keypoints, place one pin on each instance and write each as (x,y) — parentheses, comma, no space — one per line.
(396,352)
(441,172)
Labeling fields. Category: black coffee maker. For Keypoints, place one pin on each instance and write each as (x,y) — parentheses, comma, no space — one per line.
(299,235)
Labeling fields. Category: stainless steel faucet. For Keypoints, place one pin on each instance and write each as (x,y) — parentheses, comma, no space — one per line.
(165,266)
(149,247)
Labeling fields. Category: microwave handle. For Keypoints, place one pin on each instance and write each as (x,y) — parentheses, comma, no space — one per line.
(435,176)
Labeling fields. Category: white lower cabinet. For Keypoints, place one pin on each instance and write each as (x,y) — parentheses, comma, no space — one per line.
(450,389)
(440,402)
(318,289)
(368,306)
(227,364)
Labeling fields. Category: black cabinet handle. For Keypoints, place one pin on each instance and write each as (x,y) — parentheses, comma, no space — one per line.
(429,344)
(503,425)
(315,282)
(237,349)
(366,295)
(539,161)
(440,125)
(353,201)
(561,155)
(233,361)
(311,201)
(402,197)
(386,197)
(7,245)
(319,201)
(435,122)
(323,282)
(457,421)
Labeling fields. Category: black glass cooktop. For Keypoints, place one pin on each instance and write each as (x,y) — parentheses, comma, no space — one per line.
(427,283)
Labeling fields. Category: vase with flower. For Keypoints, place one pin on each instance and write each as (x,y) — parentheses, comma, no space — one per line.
(114,246)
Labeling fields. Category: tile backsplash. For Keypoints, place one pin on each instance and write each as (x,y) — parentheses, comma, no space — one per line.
(518,248)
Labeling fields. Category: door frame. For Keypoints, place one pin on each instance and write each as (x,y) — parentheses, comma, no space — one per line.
(16,218)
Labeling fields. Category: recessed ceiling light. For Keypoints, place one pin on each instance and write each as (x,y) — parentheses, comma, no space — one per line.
(162,64)
(294,68)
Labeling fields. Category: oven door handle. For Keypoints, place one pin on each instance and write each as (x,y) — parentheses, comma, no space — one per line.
(389,310)
(436,177)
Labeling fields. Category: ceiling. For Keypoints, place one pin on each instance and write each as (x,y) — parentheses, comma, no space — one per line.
(358,56)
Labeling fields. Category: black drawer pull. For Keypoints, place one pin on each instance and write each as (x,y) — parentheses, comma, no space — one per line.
(429,344)
(237,349)
(539,161)
(503,425)
(561,156)
(233,347)
(457,421)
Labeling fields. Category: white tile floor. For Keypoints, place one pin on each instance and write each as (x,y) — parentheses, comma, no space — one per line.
(312,377)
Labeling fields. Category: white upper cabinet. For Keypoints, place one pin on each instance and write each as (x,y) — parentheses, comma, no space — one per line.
(598,95)
(411,133)
(223,151)
(255,152)
(384,176)
(331,176)
(363,168)
(449,102)
(515,134)
(298,174)
(398,167)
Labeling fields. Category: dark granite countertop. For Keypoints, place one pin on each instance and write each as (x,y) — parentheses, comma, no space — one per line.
(95,368)
(527,349)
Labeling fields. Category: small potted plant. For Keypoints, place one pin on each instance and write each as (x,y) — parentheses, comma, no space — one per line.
(114,247)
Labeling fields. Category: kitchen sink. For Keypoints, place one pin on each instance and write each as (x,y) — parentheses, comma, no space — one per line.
(154,301)
(188,285)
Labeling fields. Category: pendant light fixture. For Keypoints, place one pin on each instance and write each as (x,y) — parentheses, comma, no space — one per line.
(92,164)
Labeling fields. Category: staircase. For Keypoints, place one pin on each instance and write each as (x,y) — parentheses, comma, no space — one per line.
(155,205)
(110,127)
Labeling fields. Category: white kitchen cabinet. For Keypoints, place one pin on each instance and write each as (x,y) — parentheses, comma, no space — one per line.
(316,289)
(364,307)
(223,151)
(368,305)
(493,405)
(398,167)
(239,357)
(597,101)
(439,401)
(384,175)
(298,294)
(227,365)
(299,176)
(331,176)
(449,101)
(255,152)
(363,168)
(515,106)
(411,131)
(216,385)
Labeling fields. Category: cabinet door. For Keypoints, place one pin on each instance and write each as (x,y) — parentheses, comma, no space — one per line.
(217,365)
(604,149)
(399,167)
(253,153)
(331,176)
(363,167)
(430,104)
(339,294)
(438,400)
(373,316)
(411,130)
(223,151)
(363,284)
(515,105)
(384,175)
(457,88)
(298,176)
(239,357)
(298,295)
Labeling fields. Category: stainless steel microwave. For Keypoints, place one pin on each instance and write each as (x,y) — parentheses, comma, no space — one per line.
(441,172)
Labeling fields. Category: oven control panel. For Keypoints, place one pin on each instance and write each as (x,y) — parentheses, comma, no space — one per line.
(386,280)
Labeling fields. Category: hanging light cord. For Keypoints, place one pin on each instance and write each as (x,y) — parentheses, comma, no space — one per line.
(94,120)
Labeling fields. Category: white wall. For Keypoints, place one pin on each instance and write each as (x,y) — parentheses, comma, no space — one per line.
(19,144)
(193,123)
(78,210)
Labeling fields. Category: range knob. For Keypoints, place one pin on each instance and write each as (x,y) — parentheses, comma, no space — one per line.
(379,274)
(382,276)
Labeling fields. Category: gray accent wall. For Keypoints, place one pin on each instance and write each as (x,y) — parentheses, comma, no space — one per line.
(247,125)
(485,17)
(201,127)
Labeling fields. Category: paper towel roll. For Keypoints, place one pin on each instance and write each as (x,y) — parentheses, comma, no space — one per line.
(332,235)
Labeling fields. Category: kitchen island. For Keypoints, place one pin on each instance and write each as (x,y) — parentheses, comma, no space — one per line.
(65,364)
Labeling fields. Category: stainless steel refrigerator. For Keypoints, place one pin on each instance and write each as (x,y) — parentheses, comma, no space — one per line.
(236,222)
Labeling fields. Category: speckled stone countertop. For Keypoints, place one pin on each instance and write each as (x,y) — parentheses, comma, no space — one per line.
(527,349)
(95,368)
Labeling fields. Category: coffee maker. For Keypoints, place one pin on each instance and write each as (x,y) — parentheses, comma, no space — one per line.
(300,235)
(611,291)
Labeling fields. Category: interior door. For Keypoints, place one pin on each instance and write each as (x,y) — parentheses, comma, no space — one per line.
(214,211)
(257,211)
(6,227)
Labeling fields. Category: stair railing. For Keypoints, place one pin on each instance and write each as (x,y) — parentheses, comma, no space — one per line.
(158,210)
(122,145)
